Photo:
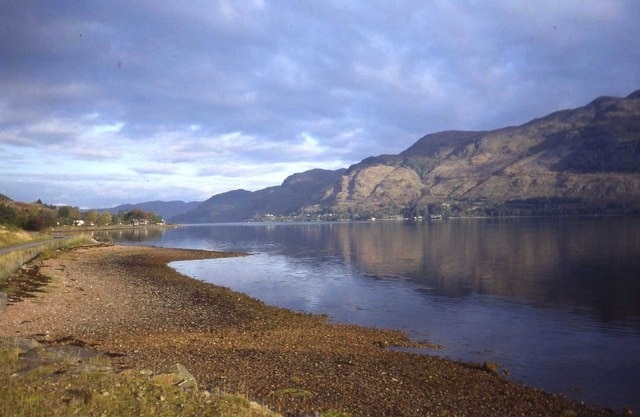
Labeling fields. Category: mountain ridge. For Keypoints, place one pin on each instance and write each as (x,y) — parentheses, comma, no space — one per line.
(166,209)
(295,191)
(581,160)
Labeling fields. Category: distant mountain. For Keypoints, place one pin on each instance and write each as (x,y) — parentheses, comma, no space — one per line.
(230,206)
(296,191)
(166,209)
(584,160)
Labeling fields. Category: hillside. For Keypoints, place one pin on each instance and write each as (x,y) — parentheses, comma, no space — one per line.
(583,160)
(29,216)
(296,191)
(166,209)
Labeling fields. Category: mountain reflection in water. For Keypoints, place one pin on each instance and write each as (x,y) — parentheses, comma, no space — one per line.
(554,300)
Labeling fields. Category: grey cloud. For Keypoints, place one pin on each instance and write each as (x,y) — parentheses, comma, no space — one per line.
(360,78)
(104,191)
(233,170)
(157,169)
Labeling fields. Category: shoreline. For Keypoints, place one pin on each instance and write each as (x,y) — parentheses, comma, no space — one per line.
(83,229)
(126,301)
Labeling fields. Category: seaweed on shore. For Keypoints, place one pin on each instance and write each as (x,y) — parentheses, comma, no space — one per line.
(24,283)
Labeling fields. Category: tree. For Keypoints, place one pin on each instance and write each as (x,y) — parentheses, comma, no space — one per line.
(8,215)
(104,219)
(91,217)
(40,219)
(135,214)
(117,218)
(68,212)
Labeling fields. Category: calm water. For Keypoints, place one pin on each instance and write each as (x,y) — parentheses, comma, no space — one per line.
(554,301)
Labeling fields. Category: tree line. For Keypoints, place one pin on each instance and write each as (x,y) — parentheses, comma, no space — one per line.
(39,216)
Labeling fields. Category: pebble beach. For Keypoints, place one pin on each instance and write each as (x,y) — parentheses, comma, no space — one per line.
(127,302)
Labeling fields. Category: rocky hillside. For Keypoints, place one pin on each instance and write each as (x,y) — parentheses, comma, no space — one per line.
(572,161)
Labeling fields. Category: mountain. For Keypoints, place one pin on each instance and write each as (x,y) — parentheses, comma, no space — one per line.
(583,160)
(166,209)
(230,206)
(296,191)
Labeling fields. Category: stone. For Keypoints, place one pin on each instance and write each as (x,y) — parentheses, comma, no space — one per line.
(19,343)
(3,302)
(67,358)
(490,367)
(187,380)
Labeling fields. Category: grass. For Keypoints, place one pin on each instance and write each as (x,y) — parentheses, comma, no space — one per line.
(99,394)
(13,236)
(12,261)
(47,392)
(68,244)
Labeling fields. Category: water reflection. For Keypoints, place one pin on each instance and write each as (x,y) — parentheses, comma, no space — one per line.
(589,264)
(131,235)
(553,300)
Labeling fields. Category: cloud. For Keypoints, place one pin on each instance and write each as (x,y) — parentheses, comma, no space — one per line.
(157,169)
(216,88)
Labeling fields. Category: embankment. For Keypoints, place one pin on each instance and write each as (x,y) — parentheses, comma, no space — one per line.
(12,258)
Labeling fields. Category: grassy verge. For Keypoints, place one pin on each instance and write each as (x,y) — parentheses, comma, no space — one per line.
(12,261)
(68,244)
(129,393)
(13,236)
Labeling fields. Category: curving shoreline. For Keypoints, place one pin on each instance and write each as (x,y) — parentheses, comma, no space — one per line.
(126,301)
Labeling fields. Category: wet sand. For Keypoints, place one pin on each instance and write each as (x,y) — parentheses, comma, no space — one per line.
(126,301)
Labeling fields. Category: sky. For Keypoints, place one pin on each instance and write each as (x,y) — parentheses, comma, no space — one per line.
(111,102)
